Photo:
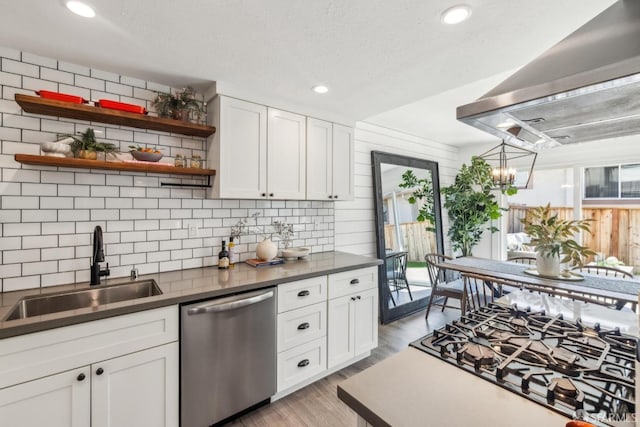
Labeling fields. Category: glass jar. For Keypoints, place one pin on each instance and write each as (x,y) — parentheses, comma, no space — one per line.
(179,162)
(196,162)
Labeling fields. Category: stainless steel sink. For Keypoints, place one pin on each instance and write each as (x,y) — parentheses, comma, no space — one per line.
(72,300)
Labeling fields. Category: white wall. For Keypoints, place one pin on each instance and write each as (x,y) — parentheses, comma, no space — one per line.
(355,229)
(553,186)
(47,214)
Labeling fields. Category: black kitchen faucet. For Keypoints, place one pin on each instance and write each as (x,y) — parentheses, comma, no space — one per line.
(97,256)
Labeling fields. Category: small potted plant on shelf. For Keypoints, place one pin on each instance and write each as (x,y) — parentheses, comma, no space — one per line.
(86,147)
(179,105)
(553,240)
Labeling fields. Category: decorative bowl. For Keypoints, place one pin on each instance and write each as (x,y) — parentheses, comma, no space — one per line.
(295,253)
(146,157)
(55,149)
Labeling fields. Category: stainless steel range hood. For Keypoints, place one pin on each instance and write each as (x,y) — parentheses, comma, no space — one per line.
(585,88)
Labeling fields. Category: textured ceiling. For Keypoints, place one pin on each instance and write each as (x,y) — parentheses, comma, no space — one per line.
(375,55)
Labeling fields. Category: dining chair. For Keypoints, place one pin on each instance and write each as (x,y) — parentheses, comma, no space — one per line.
(441,287)
(481,290)
(523,260)
(397,272)
(603,271)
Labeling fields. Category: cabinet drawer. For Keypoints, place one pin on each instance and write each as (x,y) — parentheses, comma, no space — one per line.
(36,355)
(302,362)
(302,293)
(348,282)
(302,325)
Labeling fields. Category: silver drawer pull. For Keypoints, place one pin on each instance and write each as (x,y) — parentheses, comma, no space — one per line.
(355,281)
(303,363)
(303,326)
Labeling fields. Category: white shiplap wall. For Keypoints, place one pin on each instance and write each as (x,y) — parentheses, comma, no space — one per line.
(47,214)
(355,229)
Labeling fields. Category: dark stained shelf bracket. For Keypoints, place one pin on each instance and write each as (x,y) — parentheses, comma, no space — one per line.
(172,184)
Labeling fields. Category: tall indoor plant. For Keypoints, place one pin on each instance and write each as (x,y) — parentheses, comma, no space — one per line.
(471,203)
(553,239)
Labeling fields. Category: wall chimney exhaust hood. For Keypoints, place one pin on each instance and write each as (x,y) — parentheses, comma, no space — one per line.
(585,88)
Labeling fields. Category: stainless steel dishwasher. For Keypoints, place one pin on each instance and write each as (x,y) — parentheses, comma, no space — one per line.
(227,356)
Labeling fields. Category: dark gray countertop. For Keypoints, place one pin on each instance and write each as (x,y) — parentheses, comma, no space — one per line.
(180,287)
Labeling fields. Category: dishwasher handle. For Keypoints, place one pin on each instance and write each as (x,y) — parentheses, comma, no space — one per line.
(216,307)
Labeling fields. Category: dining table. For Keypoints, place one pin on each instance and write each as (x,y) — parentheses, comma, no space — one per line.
(622,290)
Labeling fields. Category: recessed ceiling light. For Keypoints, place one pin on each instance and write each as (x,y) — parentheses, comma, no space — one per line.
(320,89)
(81,9)
(456,14)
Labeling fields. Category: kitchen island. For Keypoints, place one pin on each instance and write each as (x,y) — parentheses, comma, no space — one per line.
(413,389)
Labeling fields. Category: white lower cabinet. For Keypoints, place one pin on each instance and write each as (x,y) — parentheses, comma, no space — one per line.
(137,390)
(61,400)
(135,387)
(353,326)
(325,323)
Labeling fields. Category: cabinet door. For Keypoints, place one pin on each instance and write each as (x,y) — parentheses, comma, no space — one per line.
(342,162)
(319,159)
(340,330)
(286,155)
(61,400)
(366,321)
(243,149)
(137,390)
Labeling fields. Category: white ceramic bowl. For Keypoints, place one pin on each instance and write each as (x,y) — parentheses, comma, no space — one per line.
(295,253)
(55,149)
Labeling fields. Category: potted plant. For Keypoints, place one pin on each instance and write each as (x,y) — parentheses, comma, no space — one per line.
(471,204)
(553,240)
(177,106)
(86,147)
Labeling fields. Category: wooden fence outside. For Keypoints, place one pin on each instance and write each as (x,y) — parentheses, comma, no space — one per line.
(614,231)
(417,240)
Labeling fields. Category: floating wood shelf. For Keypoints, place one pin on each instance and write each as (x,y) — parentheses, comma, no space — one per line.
(50,107)
(68,162)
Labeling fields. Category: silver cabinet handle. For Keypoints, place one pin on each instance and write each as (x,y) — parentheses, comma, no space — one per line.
(226,306)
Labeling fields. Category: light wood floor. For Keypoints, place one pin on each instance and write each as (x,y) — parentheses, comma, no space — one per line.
(318,403)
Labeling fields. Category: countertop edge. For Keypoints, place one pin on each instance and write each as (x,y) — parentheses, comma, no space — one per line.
(119,309)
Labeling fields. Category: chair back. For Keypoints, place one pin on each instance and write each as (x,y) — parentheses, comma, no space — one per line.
(436,274)
(481,290)
(603,271)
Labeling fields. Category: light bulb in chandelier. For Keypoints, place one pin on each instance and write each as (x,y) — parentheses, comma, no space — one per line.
(503,176)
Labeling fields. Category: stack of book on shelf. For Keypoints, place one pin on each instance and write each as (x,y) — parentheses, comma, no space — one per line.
(256,262)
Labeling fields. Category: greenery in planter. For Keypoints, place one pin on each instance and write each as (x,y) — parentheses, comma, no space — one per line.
(553,237)
(471,204)
(173,105)
(87,142)
(424,194)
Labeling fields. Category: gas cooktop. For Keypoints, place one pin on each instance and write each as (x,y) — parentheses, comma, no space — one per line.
(582,371)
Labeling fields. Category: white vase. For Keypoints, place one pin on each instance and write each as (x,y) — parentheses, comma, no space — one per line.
(548,265)
(266,250)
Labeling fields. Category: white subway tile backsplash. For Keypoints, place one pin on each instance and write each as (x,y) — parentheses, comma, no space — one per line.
(57,253)
(74,215)
(20,283)
(57,279)
(10,270)
(25,255)
(48,216)
(74,190)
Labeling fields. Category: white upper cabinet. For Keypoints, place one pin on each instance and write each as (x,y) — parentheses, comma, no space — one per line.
(343,161)
(238,151)
(329,161)
(261,152)
(286,155)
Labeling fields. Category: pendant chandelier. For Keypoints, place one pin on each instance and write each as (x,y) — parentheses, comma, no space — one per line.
(501,158)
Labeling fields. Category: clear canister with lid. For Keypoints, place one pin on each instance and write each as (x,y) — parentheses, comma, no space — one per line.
(179,161)
(196,161)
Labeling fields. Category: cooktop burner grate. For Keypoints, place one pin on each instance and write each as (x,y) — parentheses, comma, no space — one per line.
(579,370)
